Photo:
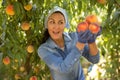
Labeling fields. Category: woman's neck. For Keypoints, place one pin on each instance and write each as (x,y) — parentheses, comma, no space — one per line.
(60,42)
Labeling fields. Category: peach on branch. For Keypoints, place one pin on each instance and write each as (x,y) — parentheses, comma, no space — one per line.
(102,1)
(30,49)
(36,69)
(6,60)
(28,7)
(22,68)
(10,10)
(17,76)
(25,26)
(33,78)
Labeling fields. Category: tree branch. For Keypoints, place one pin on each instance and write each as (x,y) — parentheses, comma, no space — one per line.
(117,3)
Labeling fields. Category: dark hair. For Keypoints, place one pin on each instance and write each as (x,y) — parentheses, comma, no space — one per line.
(58,12)
(45,36)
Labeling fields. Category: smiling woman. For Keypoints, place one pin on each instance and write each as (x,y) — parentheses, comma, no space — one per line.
(61,51)
(56,24)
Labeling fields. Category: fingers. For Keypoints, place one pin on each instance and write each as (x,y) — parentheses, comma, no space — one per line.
(100,31)
(84,35)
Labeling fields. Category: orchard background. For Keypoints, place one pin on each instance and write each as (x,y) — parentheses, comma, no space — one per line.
(22,27)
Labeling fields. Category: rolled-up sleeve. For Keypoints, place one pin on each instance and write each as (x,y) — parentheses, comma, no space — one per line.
(93,59)
(57,62)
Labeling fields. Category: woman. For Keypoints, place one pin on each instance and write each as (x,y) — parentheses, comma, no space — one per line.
(61,51)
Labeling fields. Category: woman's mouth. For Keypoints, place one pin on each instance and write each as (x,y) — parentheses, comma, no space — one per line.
(56,32)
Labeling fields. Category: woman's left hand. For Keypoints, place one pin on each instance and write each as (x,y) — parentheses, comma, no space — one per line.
(94,36)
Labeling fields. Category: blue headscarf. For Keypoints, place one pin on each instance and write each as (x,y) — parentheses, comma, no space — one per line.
(55,9)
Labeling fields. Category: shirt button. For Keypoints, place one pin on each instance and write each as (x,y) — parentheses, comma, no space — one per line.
(75,59)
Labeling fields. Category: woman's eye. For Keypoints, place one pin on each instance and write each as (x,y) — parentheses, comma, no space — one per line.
(61,22)
(52,22)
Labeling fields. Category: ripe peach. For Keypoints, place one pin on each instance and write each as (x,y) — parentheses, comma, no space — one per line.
(10,10)
(14,67)
(16,60)
(30,49)
(28,7)
(22,68)
(17,76)
(6,60)
(33,78)
(94,28)
(102,1)
(25,26)
(83,26)
(36,69)
(92,19)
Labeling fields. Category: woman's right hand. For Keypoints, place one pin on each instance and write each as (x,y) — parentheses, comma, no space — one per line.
(83,37)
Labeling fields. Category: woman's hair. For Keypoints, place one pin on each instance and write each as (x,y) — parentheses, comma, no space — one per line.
(59,12)
(46,33)
(45,36)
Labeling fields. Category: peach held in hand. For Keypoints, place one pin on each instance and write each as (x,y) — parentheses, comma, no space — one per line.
(94,28)
(92,19)
(83,26)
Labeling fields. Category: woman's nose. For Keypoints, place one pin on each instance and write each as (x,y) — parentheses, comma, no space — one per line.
(56,25)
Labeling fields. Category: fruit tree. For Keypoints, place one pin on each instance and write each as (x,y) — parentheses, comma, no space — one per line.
(22,27)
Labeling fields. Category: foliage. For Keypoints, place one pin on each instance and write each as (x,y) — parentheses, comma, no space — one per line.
(14,40)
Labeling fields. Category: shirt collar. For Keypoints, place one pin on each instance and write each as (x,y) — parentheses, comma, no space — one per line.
(52,44)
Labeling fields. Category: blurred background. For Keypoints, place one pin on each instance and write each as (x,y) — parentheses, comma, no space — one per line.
(21,30)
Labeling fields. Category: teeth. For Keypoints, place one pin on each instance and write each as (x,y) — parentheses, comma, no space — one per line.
(56,32)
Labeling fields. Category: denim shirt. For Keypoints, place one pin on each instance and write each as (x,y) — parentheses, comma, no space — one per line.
(65,64)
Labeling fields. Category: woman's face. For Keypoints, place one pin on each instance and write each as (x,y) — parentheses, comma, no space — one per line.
(56,24)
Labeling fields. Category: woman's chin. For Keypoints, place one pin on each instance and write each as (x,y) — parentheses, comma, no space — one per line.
(56,38)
